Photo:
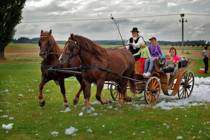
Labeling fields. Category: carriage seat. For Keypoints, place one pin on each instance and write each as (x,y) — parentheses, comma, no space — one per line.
(168,68)
(165,66)
(171,67)
(183,62)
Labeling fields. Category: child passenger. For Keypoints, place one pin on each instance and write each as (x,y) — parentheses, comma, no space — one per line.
(172,62)
(155,52)
(173,57)
(155,49)
(145,56)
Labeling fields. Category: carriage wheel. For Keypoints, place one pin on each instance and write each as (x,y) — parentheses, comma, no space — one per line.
(113,91)
(152,90)
(186,86)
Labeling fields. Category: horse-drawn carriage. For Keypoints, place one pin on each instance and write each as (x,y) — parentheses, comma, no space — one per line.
(181,82)
(91,63)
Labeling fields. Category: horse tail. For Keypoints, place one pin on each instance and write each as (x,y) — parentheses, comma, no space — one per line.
(132,83)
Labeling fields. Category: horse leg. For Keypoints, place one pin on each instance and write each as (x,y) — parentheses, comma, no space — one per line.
(63,91)
(126,98)
(100,84)
(122,90)
(76,98)
(87,94)
(41,94)
(82,86)
(119,89)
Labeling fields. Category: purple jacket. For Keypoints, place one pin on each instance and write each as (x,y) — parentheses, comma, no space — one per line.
(155,51)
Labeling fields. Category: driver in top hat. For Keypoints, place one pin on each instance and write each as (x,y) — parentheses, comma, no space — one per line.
(135,41)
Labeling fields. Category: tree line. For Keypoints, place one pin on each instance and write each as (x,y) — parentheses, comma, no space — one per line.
(119,42)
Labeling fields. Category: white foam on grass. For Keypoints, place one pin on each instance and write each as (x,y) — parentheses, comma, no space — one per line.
(81,114)
(4,116)
(54,133)
(94,114)
(199,96)
(7,126)
(4,91)
(67,109)
(11,118)
(20,95)
(71,130)
(179,137)
(89,130)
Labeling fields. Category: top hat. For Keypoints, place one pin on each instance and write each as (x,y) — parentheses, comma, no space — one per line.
(135,29)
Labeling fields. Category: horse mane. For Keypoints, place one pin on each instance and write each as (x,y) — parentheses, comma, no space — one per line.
(90,46)
(55,46)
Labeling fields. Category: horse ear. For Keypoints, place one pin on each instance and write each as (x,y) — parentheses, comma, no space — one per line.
(42,31)
(72,36)
(50,31)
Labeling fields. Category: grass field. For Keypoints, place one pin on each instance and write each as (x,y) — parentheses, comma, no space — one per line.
(19,79)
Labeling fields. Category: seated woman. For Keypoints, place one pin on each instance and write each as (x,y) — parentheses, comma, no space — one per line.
(172,61)
(155,52)
(173,58)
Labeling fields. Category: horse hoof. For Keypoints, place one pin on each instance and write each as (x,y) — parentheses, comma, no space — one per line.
(42,103)
(66,105)
(88,109)
(103,102)
(75,101)
(109,101)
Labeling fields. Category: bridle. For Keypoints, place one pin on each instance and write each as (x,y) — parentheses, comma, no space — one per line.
(49,49)
(70,55)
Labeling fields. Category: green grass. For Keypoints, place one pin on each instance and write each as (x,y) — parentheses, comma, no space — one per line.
(22,45)
(31,122)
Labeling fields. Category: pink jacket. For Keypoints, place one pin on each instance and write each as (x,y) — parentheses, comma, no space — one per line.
(176,59)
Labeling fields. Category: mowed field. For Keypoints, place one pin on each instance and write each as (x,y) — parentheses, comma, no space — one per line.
(19,80)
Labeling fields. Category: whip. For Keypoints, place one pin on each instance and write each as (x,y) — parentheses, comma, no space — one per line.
(118,29)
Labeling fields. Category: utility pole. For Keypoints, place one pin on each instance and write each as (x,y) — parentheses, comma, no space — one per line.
(182,20)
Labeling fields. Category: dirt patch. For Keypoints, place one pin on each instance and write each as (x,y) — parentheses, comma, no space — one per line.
(15,53)
(21,52)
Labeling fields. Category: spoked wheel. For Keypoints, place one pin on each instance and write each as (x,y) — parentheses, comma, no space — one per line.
(152,90)
(113,91)
(187,85)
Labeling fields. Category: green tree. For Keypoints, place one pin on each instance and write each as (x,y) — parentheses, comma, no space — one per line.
(10,16)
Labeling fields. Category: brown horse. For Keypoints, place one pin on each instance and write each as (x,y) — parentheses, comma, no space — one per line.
(100,65)
(50,53)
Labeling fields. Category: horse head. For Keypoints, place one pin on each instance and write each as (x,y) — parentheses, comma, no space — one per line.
(47,45)
(70,52)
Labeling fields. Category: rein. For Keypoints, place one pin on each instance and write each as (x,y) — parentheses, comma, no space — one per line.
(79,70)
(85,68)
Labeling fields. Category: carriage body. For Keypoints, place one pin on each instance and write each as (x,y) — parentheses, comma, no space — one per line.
(181,83)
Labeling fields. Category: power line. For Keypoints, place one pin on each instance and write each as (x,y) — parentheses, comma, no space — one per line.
(191,14)
(106,19)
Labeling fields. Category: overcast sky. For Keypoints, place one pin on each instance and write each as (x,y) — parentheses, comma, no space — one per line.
(60,15)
